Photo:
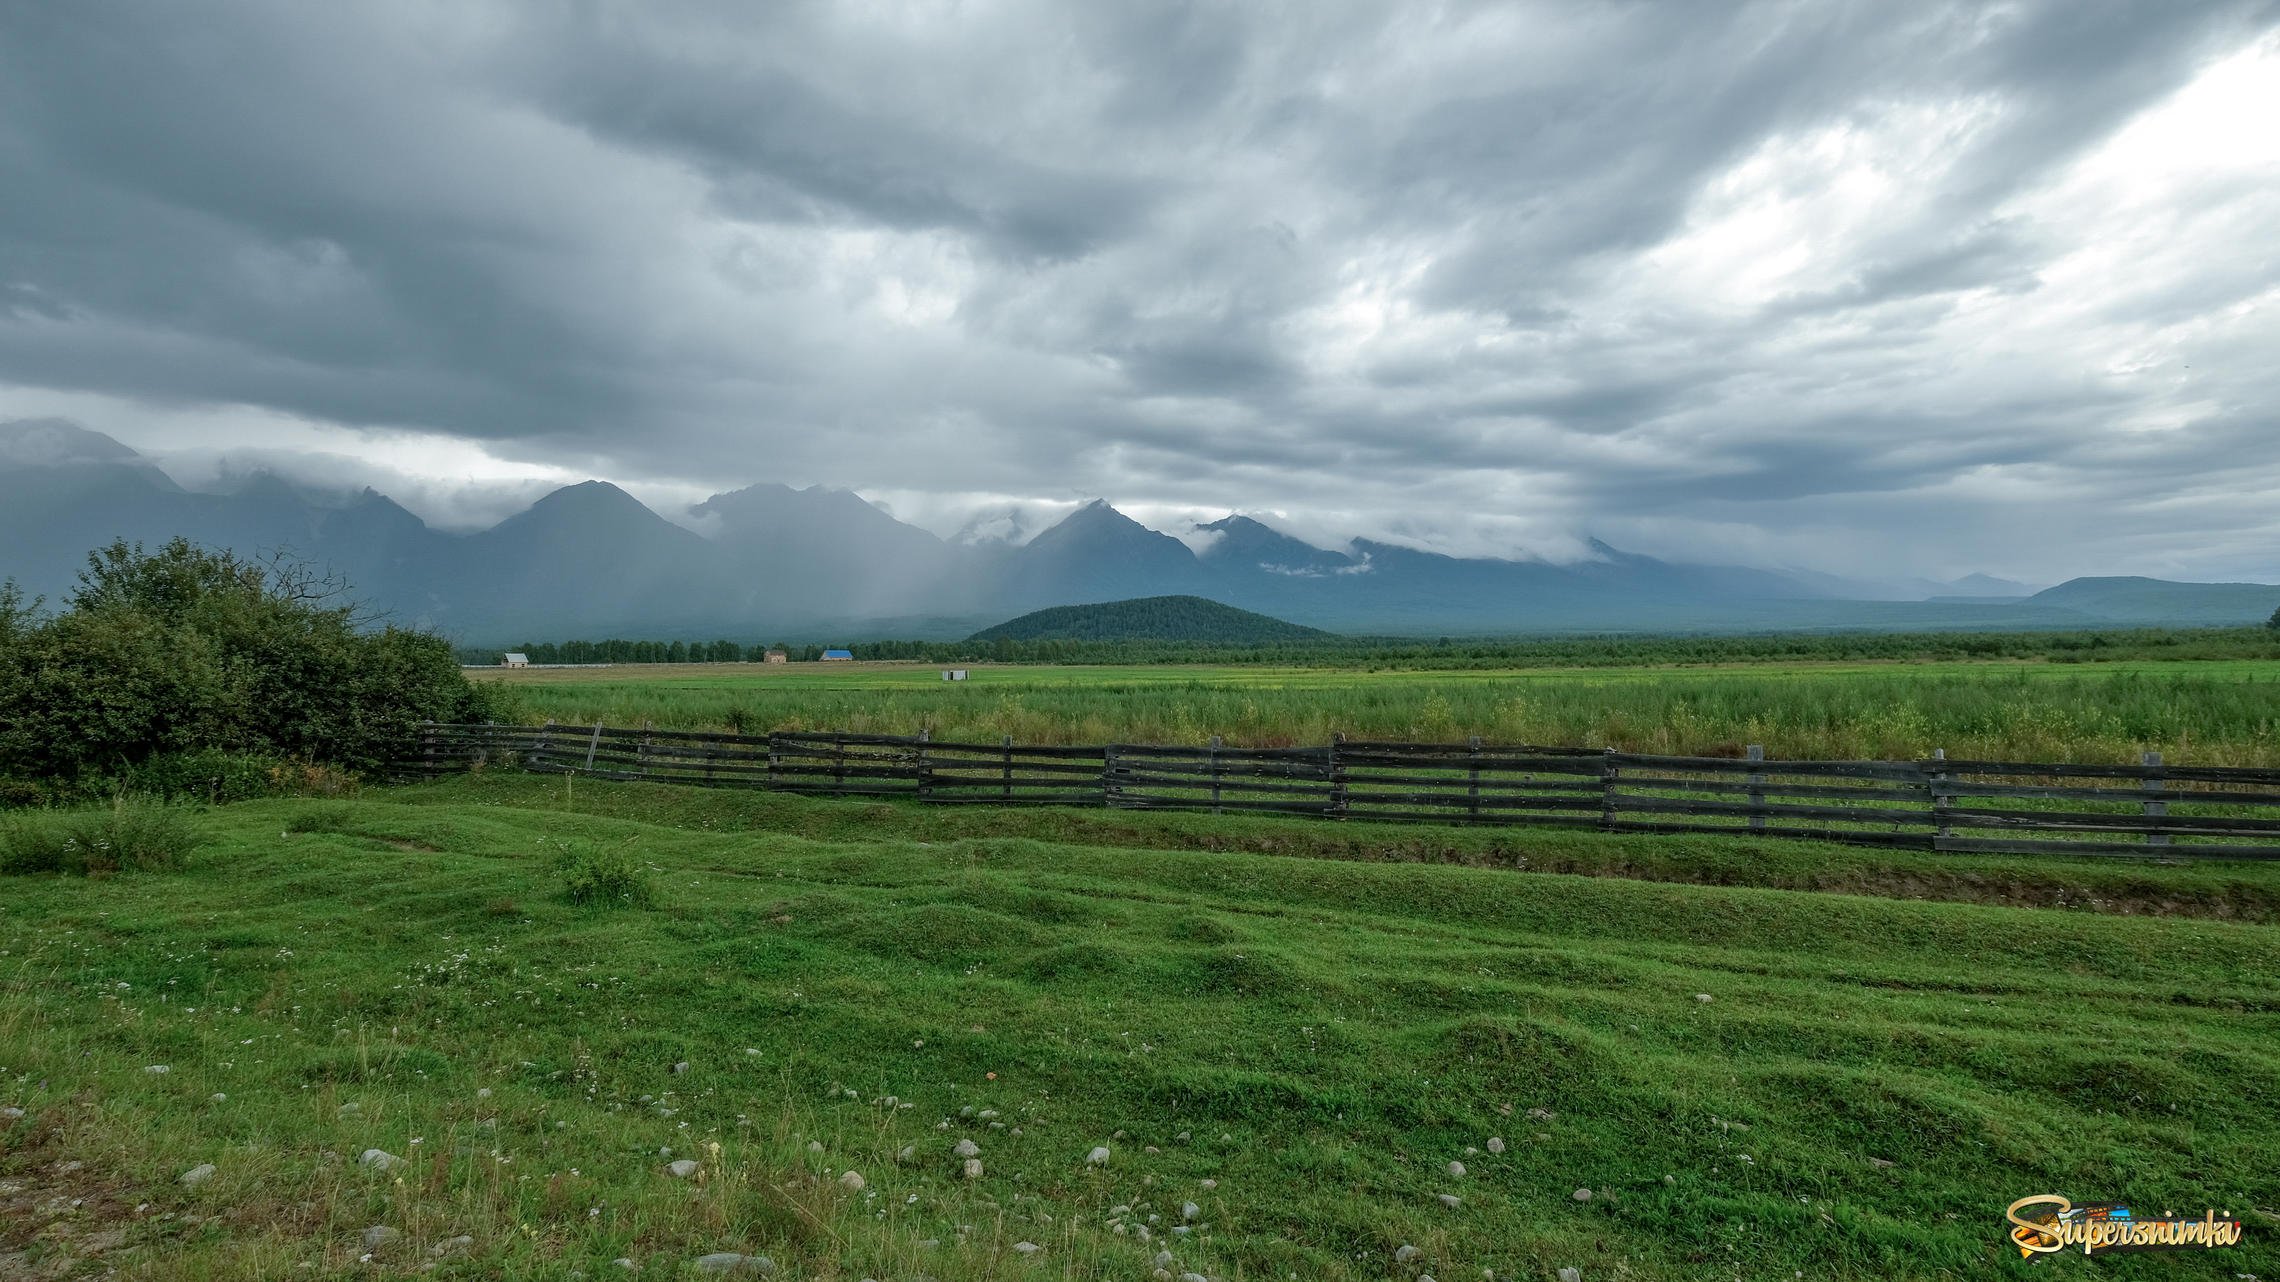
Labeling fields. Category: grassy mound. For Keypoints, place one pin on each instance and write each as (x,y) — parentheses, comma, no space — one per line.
(1298,1047)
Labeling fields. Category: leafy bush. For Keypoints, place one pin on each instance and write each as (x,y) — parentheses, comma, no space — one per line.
(603,878)
(209,775)
(188,651)
(129,835)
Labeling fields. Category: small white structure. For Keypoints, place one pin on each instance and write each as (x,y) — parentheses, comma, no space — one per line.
(517,659)
(953,674)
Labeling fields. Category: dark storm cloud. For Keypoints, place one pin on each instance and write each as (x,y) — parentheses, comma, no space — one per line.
(1782,280)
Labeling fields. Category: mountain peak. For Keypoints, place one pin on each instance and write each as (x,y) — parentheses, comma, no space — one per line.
(1254,544)
(1097,521)
(598,504)
(59,442)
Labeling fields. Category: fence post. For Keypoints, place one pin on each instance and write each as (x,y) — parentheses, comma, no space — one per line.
(1943,796)
(591,745)
(641,754)
(1216,742)
(1005,787)
(1337,775)
(839,763)
(1472,780)
(1607,774)
(2154,809)
(1108,789)
(772,784)
(427,748)
(1757,789)
(925,767)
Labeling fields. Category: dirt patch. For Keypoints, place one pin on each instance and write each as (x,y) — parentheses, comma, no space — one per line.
(60,1218)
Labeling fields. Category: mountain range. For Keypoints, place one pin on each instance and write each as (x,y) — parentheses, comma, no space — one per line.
(782,563)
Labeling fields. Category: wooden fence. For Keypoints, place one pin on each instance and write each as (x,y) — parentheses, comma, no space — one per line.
(2145,810)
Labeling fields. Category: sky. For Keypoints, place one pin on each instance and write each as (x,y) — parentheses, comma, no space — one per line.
(1863,288)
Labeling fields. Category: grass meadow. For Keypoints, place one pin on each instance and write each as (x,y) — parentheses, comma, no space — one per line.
(2223,712)
(1284,1046)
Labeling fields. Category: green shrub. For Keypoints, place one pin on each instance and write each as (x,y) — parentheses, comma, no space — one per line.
(185,651)
(129,835)
(208,775)
(608,878)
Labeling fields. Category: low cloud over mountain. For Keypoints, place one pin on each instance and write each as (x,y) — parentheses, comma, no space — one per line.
(590,559)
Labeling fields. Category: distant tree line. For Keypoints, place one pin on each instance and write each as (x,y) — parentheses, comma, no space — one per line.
(1455,653)
(618,650)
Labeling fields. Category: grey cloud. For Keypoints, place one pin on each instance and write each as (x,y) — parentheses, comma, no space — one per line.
(1391,263)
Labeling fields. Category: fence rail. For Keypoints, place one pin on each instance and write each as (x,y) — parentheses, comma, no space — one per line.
(2147,810)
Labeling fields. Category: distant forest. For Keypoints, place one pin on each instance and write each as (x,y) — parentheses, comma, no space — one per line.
(1459,653)
(1169,619)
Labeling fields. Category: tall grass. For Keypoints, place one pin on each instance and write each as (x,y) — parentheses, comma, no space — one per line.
(2228,714)
(127,836)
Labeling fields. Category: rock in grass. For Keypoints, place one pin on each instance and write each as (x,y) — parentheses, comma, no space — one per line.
(852,1181)
(379,1159)
(966,1148)
(1704,998)
(1026,1248)
(973,1168)
(1189,1210)
(682,1169)
(680,1068)
(198,1174)
(1193,1277)
(157,1070)
(1451,1200)
(734,1262)
(452,1246)
(1098,1157)
(1581,1195)
(1571,1275)
(380,1235)
(1163,1259)
(12,1112)
(1404,1253)
(1457,1169)
(1495,1144)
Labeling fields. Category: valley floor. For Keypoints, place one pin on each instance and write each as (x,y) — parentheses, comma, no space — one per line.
(1284,1036)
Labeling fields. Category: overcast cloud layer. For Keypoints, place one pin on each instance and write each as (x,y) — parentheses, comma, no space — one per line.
(1876,288)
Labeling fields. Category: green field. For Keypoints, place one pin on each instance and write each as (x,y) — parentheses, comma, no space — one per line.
(1297,1045)
(2218,712)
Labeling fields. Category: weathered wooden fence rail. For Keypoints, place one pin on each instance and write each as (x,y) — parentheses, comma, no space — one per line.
(2147,810)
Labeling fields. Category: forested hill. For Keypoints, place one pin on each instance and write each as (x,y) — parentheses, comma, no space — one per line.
(1155,618)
